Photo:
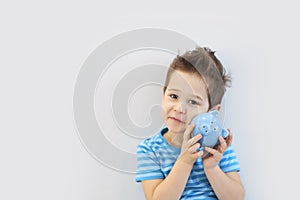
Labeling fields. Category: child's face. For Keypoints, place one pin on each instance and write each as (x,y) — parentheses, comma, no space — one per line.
(184,98)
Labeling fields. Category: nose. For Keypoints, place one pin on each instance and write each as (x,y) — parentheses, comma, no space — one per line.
(180,107)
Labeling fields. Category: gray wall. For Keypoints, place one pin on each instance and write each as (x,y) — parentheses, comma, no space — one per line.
(44,46)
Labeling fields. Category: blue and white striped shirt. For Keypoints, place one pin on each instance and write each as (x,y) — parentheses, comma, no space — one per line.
(156,159)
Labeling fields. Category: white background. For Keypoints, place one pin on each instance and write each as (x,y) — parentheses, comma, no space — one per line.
(43,45)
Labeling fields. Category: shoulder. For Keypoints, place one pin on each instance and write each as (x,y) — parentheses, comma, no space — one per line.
(150,144)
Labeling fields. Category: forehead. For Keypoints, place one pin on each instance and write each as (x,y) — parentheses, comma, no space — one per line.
(188,83)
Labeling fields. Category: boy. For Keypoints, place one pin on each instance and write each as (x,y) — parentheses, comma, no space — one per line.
(169,165)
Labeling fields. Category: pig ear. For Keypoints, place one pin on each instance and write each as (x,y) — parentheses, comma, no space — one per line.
(225,133)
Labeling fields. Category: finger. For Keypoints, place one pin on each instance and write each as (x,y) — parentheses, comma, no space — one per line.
(194,140)
(216,155)
(194,148)
(206,155)
(198,154)
(187,133)
(212,151)
(223,144)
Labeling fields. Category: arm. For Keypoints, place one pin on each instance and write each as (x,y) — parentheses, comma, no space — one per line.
(225,185)
(173,185)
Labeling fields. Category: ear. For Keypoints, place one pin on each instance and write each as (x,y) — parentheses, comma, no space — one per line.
(216,107)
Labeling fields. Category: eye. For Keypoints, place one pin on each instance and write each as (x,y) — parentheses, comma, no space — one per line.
(173,96)
(193,102)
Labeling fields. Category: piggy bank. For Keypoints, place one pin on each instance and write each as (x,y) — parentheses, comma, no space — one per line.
(209,125)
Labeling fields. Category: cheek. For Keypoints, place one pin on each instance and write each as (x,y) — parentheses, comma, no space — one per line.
(167,105)
(195,112)
(164,105)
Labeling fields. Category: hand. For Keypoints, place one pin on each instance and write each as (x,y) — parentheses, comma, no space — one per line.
(189,153)
(214,155)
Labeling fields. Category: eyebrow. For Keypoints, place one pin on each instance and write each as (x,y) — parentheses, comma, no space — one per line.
(173,89)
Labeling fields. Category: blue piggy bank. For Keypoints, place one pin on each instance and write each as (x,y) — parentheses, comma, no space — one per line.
(210,127)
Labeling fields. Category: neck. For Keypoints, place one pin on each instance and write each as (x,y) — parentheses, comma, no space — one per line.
(174,139)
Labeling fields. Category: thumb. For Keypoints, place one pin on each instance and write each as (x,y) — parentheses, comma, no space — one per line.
(187,133)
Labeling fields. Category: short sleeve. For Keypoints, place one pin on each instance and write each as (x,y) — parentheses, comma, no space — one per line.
(229,162)
(148,166)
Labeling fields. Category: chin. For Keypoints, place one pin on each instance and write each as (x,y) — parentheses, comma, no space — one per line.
(175,127)
(176,130)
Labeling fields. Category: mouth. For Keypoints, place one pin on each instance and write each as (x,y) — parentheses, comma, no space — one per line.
(176,119)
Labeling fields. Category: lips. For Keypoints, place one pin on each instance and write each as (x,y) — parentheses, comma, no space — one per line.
(176,119)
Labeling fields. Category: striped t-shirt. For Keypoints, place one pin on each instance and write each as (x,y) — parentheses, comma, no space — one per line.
(156,158)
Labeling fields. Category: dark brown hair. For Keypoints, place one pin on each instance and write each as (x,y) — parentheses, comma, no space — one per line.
(204,63)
